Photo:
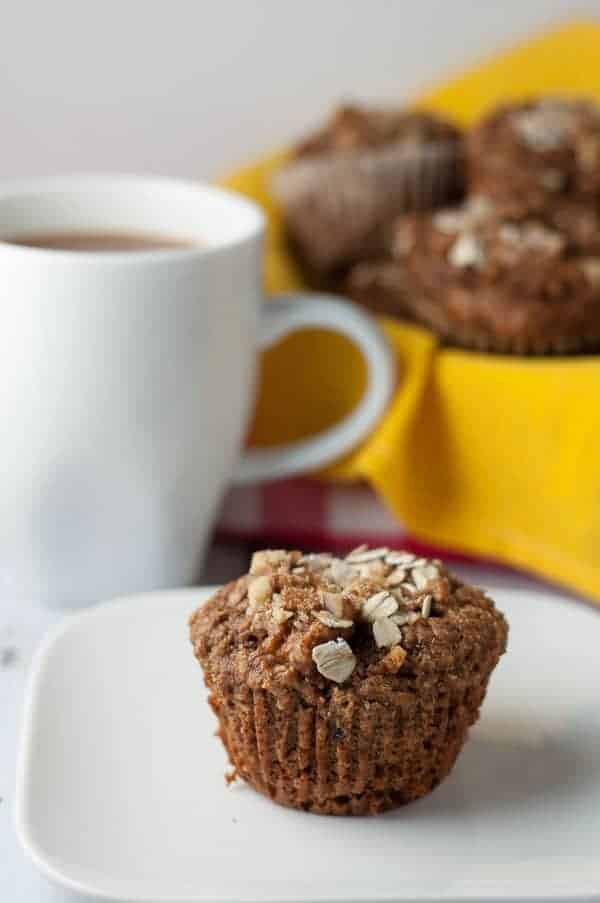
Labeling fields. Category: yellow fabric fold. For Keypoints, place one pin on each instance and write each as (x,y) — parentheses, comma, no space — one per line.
(492,455)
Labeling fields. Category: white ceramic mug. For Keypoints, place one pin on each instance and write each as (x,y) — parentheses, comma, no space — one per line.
(127,378)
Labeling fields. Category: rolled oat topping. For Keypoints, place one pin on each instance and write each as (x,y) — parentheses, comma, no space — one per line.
(386,632)
(378,587)
(426,606)
(467,251)
(334,660)
(294,602)
(536,152)
(329,620)
(379,605)
(334,603)
(362,555)
(545,128)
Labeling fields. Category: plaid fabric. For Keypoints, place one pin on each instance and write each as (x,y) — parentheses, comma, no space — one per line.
(307,514)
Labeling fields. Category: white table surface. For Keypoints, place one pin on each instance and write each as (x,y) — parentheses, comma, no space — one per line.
(21,628)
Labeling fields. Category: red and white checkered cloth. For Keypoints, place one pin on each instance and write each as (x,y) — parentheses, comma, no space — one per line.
(309,514)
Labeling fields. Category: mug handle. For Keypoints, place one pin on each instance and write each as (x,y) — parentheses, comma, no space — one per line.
(286,315)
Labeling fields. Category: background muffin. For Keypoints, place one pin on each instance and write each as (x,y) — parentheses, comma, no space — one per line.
(383,285)
(536,151)
(344,184)
(346,686)
(482,280)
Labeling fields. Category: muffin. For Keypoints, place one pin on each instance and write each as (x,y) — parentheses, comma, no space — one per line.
(514,285)
(346,686)
(382,285)
(344,184)
(536,151)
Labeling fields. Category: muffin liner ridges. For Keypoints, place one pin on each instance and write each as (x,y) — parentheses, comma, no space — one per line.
(347,755)
(337,206)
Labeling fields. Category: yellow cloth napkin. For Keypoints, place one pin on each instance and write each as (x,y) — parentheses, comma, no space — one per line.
(491,455)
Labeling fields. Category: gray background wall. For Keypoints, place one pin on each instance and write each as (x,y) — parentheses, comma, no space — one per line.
(188,87)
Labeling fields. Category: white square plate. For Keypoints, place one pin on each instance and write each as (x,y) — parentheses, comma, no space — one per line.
(121,792)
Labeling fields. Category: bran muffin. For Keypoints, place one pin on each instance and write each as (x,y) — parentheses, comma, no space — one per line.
(382,285)
(528,284)
(536,152)
(344,184)
(346,686)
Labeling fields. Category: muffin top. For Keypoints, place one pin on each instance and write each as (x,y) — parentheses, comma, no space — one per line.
(474,244)
(372,621)
(528,277)
(353,128)
(537,150)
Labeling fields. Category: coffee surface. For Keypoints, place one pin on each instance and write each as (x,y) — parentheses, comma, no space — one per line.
(100,241)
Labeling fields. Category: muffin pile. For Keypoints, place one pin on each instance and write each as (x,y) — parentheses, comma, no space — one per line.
(344,185)
(346,685)
(514,266)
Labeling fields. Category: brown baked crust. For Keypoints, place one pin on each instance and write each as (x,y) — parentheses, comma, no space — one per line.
(343,185)
(535,152)
(383,736)
(382,285)
(526,284)
(353,128)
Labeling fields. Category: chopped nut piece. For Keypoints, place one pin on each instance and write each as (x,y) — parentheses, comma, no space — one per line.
(394,660)
(329,620)
(401,618)
(259,593)
(267,560)
(386,633)
(426,607)
(380,605)
(280,614)
(334,660)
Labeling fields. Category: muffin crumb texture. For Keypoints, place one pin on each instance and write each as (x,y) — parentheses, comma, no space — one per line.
(346,685)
